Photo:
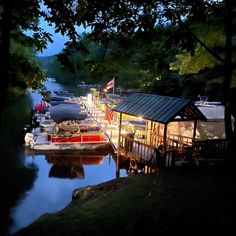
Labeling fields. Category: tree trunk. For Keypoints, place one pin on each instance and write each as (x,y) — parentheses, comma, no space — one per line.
(4,54)
(228,67)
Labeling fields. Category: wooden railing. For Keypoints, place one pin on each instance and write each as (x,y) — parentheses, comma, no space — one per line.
(207,149)
(135,149)
(211,147)
(183,140)
(177,142)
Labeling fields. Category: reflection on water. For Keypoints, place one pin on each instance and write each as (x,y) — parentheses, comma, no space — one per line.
(71,166)
(16,178)
(67,171)
(32,185)
(54,185)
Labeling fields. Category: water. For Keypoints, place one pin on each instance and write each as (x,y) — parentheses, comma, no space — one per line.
(34,185)
(50,194)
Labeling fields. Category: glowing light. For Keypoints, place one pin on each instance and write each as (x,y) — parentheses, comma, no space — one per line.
(89,98)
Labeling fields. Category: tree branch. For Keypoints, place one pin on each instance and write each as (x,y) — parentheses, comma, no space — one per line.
(220,59)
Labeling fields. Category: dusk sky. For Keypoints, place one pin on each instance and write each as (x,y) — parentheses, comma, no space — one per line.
(55,47)
(59,40)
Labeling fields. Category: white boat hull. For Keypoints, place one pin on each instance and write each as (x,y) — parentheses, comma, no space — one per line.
(70,146)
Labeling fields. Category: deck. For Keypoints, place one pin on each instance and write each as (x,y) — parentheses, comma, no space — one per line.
(178,148)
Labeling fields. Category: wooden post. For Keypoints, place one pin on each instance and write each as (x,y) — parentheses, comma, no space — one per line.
(194,130)
(151,134)
(118,165)
(164,138)
(146,131)
(120,122)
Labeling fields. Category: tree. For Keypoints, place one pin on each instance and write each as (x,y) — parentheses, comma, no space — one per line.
(125,19)
(16,17)
(131,17)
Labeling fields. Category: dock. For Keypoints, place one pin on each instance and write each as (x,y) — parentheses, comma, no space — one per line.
(138,153)
(111,129)
(158,137)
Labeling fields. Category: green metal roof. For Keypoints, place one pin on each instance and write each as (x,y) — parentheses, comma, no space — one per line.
(162,109)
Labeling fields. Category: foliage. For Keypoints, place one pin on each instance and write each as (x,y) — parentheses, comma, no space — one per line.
(200,59)
(202,44)
(24,71)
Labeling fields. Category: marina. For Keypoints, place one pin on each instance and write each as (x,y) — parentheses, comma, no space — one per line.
(140,128)
(132,146)
(143,126)
(131,149)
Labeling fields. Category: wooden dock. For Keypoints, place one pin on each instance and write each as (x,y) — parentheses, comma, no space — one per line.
(127,148)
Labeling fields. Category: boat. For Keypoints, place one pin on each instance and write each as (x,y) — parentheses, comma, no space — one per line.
(203,102)
(67,129)
(82,84)
(70,139)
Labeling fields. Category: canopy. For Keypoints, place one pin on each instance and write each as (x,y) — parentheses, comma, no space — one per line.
(64,112)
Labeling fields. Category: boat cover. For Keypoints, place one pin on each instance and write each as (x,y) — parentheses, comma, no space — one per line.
(55,103)
(58,98)
(64,112)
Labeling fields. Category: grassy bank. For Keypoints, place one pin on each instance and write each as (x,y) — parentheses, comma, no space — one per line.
(179,200)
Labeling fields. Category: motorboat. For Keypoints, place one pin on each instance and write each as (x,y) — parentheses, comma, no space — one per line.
(67,136)
(79,141)
(82,84)
(67,129)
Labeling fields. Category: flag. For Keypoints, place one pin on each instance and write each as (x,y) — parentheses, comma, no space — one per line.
(110,84)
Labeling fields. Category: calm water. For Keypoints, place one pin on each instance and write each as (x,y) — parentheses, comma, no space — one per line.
(34,185)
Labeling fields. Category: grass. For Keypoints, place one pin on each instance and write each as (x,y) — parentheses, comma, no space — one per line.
(186,201)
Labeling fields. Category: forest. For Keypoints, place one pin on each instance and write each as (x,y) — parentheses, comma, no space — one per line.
(180,48)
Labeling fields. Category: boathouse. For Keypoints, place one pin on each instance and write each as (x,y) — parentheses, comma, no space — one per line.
(160,118)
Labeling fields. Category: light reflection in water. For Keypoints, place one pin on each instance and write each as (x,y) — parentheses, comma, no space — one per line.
(50,194)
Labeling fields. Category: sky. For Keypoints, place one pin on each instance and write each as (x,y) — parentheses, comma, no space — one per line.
(58,40)
(55,47)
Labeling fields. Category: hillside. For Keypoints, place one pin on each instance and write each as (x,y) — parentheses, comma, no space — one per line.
(179,200)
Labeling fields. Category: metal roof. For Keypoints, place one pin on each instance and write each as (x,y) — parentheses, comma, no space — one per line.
(213,113)
(162,109)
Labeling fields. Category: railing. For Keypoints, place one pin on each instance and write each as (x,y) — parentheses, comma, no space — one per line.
(211,148)
(135,149)
(183,140)
(142,151)
(175,150)
(172,140)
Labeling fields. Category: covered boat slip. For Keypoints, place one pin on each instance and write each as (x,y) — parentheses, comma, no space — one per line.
(169,125)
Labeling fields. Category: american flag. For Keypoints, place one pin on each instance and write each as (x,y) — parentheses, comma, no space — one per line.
(110,84)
